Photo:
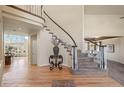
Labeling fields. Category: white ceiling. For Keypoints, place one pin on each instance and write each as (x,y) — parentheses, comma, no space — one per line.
(18,27)
(104,9)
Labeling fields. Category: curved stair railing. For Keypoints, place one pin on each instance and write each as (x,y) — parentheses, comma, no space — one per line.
(75,45)
(70,48)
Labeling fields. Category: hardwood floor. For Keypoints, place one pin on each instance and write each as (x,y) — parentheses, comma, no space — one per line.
(21,74)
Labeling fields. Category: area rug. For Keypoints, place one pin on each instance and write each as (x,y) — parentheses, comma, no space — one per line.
(63,83)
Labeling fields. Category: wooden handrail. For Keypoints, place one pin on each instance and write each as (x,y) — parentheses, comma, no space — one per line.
(94,43)
(20,9)
(75,45)
(91,42)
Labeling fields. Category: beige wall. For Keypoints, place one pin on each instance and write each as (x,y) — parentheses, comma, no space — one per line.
(103,25)
(118,55)
(33,49)
(70,18)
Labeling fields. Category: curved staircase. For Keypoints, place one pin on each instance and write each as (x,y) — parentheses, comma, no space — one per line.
(81,63)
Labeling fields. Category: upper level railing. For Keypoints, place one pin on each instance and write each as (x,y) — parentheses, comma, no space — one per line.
(34,10)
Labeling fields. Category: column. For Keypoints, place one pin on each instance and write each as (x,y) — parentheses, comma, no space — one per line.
(83,30)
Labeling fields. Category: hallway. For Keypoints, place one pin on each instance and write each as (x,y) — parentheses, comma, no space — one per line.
(21,74)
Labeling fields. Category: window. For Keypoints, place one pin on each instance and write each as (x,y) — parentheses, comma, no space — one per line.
(14,38)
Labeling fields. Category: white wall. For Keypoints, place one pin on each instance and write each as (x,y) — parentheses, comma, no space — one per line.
(44,48)
(33,46)
(103,25)
(70,18)
(118,55)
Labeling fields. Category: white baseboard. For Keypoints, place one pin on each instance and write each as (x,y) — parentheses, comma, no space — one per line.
(49,64)
(42,65)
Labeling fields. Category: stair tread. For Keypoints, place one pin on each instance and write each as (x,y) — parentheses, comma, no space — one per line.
(93,68)
(87,63)
(88,66)
(84,58)
(82,54)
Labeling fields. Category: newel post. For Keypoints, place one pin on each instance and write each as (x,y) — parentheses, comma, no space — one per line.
(74,58)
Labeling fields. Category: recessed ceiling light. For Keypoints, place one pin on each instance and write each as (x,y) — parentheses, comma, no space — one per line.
(20,28)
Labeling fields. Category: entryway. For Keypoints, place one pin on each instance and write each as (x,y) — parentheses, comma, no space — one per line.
(15,47)
(20,46)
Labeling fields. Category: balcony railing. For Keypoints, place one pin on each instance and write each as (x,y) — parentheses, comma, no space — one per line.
(35,10)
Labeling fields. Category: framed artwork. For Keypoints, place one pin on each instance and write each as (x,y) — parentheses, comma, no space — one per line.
(111,48)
